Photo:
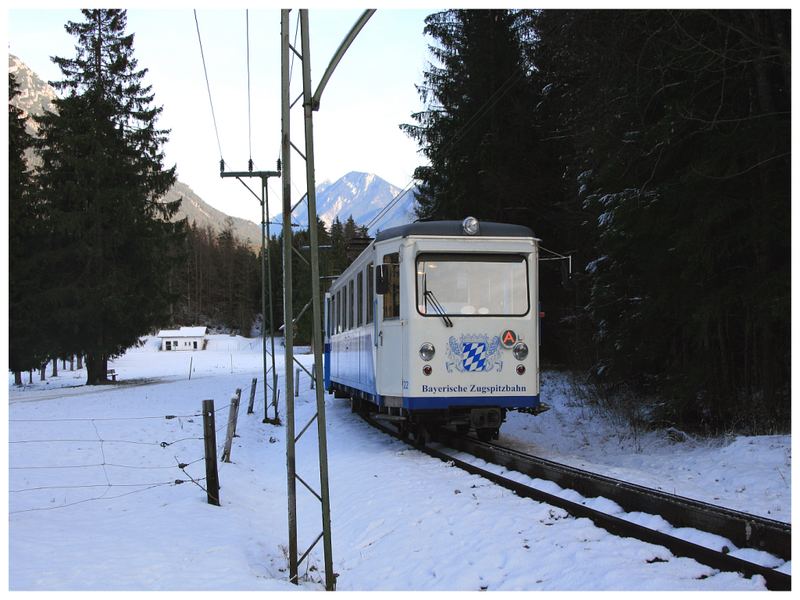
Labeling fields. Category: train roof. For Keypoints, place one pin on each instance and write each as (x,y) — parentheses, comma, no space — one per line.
(454,228)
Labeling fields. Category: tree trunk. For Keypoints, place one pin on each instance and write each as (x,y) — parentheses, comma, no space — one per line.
(80,361)
(55,367)
(96,369)
(41,372)
(18,378)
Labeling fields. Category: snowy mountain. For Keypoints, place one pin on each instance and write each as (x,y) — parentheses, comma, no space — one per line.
(362,196)
(36,96)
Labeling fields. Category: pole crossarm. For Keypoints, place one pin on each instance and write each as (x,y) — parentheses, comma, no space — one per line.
(262,174)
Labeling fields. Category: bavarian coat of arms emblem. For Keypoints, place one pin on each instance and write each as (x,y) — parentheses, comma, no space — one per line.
(474,353)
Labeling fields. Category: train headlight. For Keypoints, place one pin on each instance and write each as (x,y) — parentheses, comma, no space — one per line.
(471,226)
(426,351)
(521,351)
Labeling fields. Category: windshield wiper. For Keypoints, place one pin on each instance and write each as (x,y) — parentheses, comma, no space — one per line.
(438,307)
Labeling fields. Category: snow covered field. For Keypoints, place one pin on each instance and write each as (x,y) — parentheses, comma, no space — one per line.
(401,520)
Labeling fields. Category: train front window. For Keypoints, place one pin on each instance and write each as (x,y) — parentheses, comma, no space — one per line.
(472,284)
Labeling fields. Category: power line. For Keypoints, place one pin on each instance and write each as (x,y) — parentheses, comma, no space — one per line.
(386,209)
(208,85)
(249,125)
(490,102)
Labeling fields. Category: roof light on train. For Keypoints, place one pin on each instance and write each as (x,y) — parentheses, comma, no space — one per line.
(471,226)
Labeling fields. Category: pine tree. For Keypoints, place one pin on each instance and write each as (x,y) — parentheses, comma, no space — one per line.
(102,178)
(476,131)
(675,129)
(490,144)
(26,336)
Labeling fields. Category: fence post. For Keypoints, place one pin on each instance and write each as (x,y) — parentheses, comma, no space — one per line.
(296,383)
(210,439)
(252,396)
(233,414)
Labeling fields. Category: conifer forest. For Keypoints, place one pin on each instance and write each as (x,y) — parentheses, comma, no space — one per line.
(651,146)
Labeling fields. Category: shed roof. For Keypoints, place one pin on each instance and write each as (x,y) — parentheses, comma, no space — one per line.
(183,332)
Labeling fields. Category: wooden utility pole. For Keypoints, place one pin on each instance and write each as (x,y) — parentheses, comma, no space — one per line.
(210,443)
(233,416)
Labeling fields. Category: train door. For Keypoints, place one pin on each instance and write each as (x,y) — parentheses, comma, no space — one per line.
(389,328)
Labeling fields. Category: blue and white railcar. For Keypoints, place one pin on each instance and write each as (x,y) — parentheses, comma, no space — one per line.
(437,323)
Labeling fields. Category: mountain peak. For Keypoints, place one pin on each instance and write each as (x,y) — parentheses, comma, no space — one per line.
(362,196)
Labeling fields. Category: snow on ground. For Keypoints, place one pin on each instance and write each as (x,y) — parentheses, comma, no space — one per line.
(401,520)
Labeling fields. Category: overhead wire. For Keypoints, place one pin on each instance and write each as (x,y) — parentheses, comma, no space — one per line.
(249,123)
(490,102)
(208,86)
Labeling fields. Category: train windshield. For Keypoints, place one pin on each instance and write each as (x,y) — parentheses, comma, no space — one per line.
(472,284)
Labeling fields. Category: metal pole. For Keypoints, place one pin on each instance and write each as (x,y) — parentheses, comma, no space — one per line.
(265,262)
(287,295)
(330,581)
(277,420)
(263,295)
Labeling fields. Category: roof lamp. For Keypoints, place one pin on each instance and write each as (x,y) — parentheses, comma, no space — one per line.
(471,226)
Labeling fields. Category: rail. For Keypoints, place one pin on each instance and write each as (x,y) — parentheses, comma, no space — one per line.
(768,534)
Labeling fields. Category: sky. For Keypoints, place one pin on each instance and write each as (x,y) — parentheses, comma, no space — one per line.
(356,128)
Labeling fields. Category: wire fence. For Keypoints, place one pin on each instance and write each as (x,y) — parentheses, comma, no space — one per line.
(36,456)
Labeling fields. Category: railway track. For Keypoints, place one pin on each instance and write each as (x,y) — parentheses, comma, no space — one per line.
(741,529)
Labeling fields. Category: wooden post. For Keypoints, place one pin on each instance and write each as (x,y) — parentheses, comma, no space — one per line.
(233,414)
(210,440)
(252,396)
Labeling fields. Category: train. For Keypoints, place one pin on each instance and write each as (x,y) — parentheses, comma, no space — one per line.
(437,323)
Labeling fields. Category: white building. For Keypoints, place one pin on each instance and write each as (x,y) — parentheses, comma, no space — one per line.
(185,338)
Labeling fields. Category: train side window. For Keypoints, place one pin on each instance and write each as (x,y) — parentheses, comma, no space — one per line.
(391,300)
(360,299)
(350,304)
(340,311)
(369,299)
(333,314)
(327,316)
